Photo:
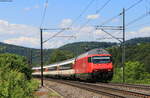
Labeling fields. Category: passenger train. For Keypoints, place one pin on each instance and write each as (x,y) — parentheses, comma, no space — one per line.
(94,65)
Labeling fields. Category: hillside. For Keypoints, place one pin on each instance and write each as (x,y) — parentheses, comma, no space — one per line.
(138,40)
(76,48)
(81,47)
(24,51)
(139,52)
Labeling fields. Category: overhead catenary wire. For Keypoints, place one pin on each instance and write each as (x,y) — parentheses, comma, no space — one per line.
(139,18)
(100,9)
(136,3)
(130,7)
(127,9)
(102,6)
(85,9)
(133,26)
(44,13)
(53,36)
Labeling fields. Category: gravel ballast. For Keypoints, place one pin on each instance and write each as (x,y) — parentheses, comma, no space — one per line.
(68,91)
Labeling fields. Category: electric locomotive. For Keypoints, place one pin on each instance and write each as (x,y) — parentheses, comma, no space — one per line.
(94,65)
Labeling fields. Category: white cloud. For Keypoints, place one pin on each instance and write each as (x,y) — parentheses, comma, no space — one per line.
(53,44)
(82,33)
(36,6)
(115,20)
(46,4)
(34,42)
(25,35)
(18,29)
(145,30)
(31,8)
(47,35)
(19,34)
(23,41)
(99,32)
(27,9)
(65,23)
(142,32)
(29,36)
(94,16)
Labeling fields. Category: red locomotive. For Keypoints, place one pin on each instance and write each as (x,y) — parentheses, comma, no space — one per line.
(94,65)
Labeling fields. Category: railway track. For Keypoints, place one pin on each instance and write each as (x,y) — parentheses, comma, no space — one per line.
(145,89)
(104,90)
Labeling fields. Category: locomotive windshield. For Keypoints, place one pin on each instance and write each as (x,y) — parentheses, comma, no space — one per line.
(101,59)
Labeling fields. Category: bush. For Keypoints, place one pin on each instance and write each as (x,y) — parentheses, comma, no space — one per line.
(14,77)
(15,62)
(134,73)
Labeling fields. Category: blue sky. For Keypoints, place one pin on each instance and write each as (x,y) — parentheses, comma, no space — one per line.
(20,20)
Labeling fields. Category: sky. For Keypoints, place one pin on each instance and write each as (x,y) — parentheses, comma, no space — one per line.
(20,21)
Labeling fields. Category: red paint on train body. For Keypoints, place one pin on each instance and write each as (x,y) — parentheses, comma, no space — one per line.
(94,66)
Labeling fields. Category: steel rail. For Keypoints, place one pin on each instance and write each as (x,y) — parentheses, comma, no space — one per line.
(144,87)
(132,93)
(108,91)
(86,87)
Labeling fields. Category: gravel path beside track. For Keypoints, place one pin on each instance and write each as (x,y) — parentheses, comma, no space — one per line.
(71,92)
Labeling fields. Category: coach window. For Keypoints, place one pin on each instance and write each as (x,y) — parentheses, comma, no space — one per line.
(66,66)
(52,68)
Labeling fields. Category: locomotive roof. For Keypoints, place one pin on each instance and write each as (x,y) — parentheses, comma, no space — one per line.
(97,51)
(93,51)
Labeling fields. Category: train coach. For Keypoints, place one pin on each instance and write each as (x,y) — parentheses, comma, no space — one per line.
(94,65)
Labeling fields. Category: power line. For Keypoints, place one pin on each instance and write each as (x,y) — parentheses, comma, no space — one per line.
(115,33)
(109,20)
(86,8)
(111,35)
(139,18)
(102,6)
(138,25)
(106,3)
(54,35)
(136,3)
(79,17)
(127,9)
(44,13)
(72,22)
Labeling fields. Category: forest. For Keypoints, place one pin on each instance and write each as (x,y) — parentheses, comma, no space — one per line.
(76,48)
(137,60)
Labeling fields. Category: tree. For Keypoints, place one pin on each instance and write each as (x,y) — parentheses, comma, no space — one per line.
(15,62)
(134,73)
(147,63)
(60,55)
(134,70)
(15,77)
